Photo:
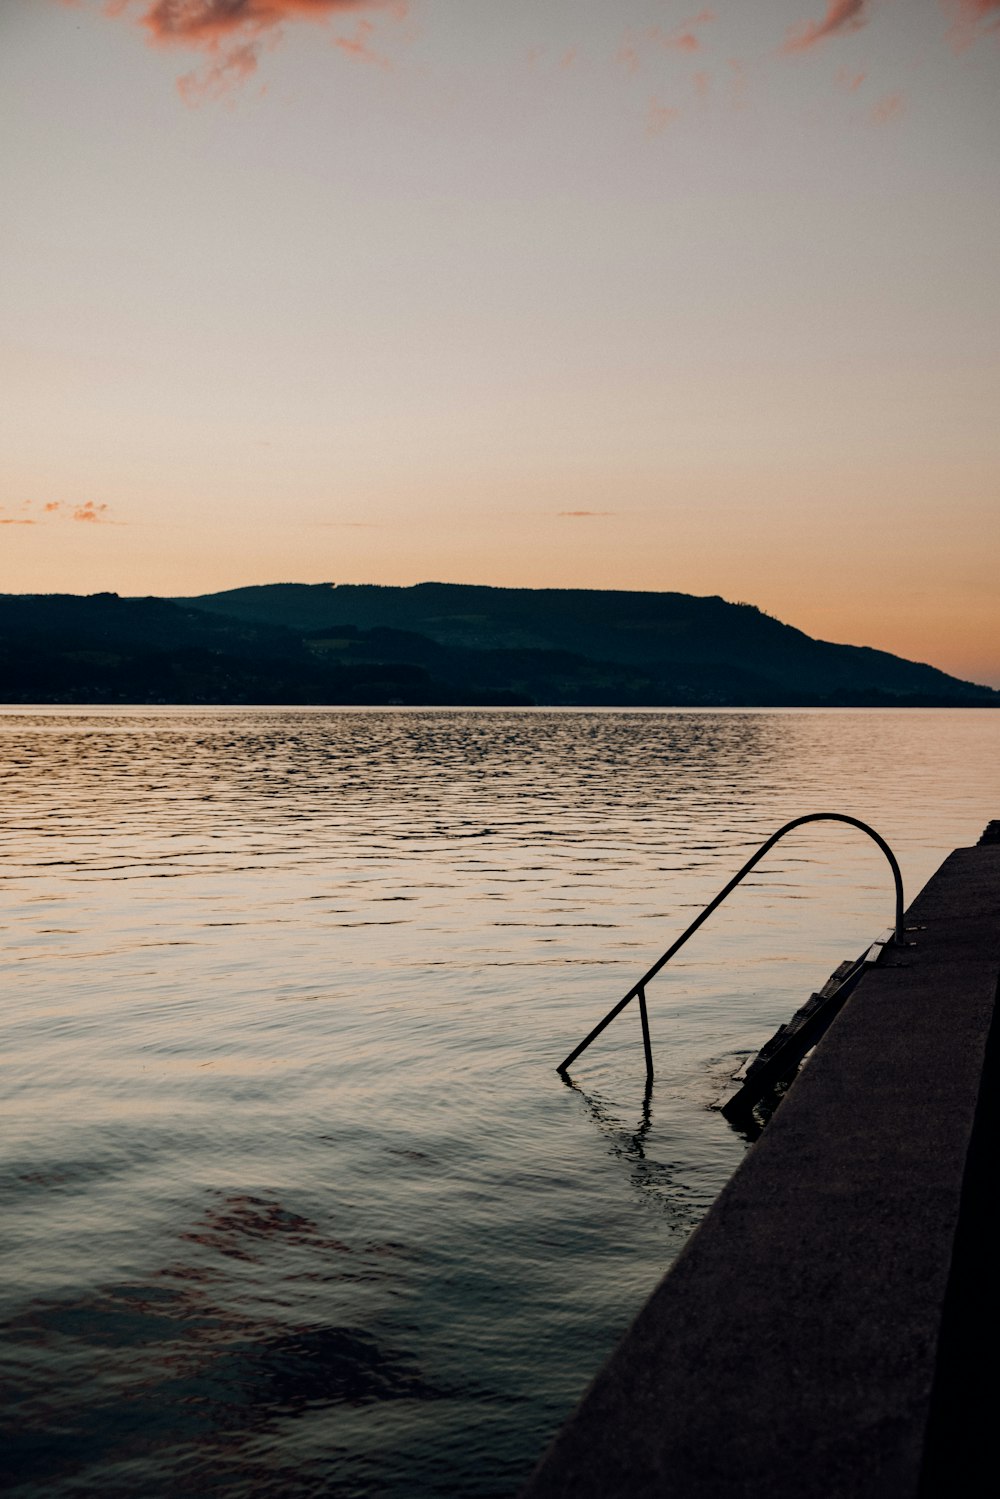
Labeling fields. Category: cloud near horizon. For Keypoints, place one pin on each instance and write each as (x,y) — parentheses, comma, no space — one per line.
(86,510)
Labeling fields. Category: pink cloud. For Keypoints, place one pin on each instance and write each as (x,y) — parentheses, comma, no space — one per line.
(659,117)
(85,510)
(850,81)
(971,19)
(359,47)
(230,34)
(841,16)
(972,10)
(889,108)
(204,23)
(577,514)
(231,67)
(683,39)
(628,54)
(16,520)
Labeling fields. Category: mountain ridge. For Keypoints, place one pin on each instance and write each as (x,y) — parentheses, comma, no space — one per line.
(418,607)
(443,644)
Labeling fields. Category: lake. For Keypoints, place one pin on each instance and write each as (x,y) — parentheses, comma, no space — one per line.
(295,1201)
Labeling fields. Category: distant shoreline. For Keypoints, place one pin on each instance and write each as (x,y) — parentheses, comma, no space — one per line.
(9,707)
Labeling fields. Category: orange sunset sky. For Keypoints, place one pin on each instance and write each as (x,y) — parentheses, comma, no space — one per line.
(524,292)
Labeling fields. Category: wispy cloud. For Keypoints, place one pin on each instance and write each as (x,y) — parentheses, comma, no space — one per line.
(889,108)
(359,44)
(971,19)
(841,16)
(28,513)
(973,10)
(231,34)
(660,116)
(849,80)
(684,38)
(89,511)
(20,518)
(579,514)
(229,68)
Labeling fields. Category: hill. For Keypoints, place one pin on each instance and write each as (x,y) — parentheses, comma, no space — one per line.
(439,643)
(702,648)
(64,648)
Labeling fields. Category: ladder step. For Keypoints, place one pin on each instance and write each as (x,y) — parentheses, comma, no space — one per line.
(779,1058)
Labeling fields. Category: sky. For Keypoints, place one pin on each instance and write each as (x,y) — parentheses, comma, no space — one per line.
(547,293)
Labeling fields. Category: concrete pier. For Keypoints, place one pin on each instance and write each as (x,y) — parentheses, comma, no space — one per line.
(822,1335)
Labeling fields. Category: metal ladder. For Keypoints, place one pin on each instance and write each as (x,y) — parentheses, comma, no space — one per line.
(638,990)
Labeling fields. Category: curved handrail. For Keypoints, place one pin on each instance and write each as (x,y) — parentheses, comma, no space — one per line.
(638,989)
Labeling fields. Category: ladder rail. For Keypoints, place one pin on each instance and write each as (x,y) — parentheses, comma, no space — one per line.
(638,989)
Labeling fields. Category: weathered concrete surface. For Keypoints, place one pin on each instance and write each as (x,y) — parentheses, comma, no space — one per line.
(792,1348)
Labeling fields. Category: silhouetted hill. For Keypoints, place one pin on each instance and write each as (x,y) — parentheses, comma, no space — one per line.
(441,644)
(63,648)
(705,648)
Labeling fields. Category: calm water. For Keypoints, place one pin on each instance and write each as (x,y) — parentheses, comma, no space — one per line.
(295,1203)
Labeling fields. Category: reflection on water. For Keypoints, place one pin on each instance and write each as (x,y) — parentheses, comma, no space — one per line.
(627,1141)
(295,1201)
